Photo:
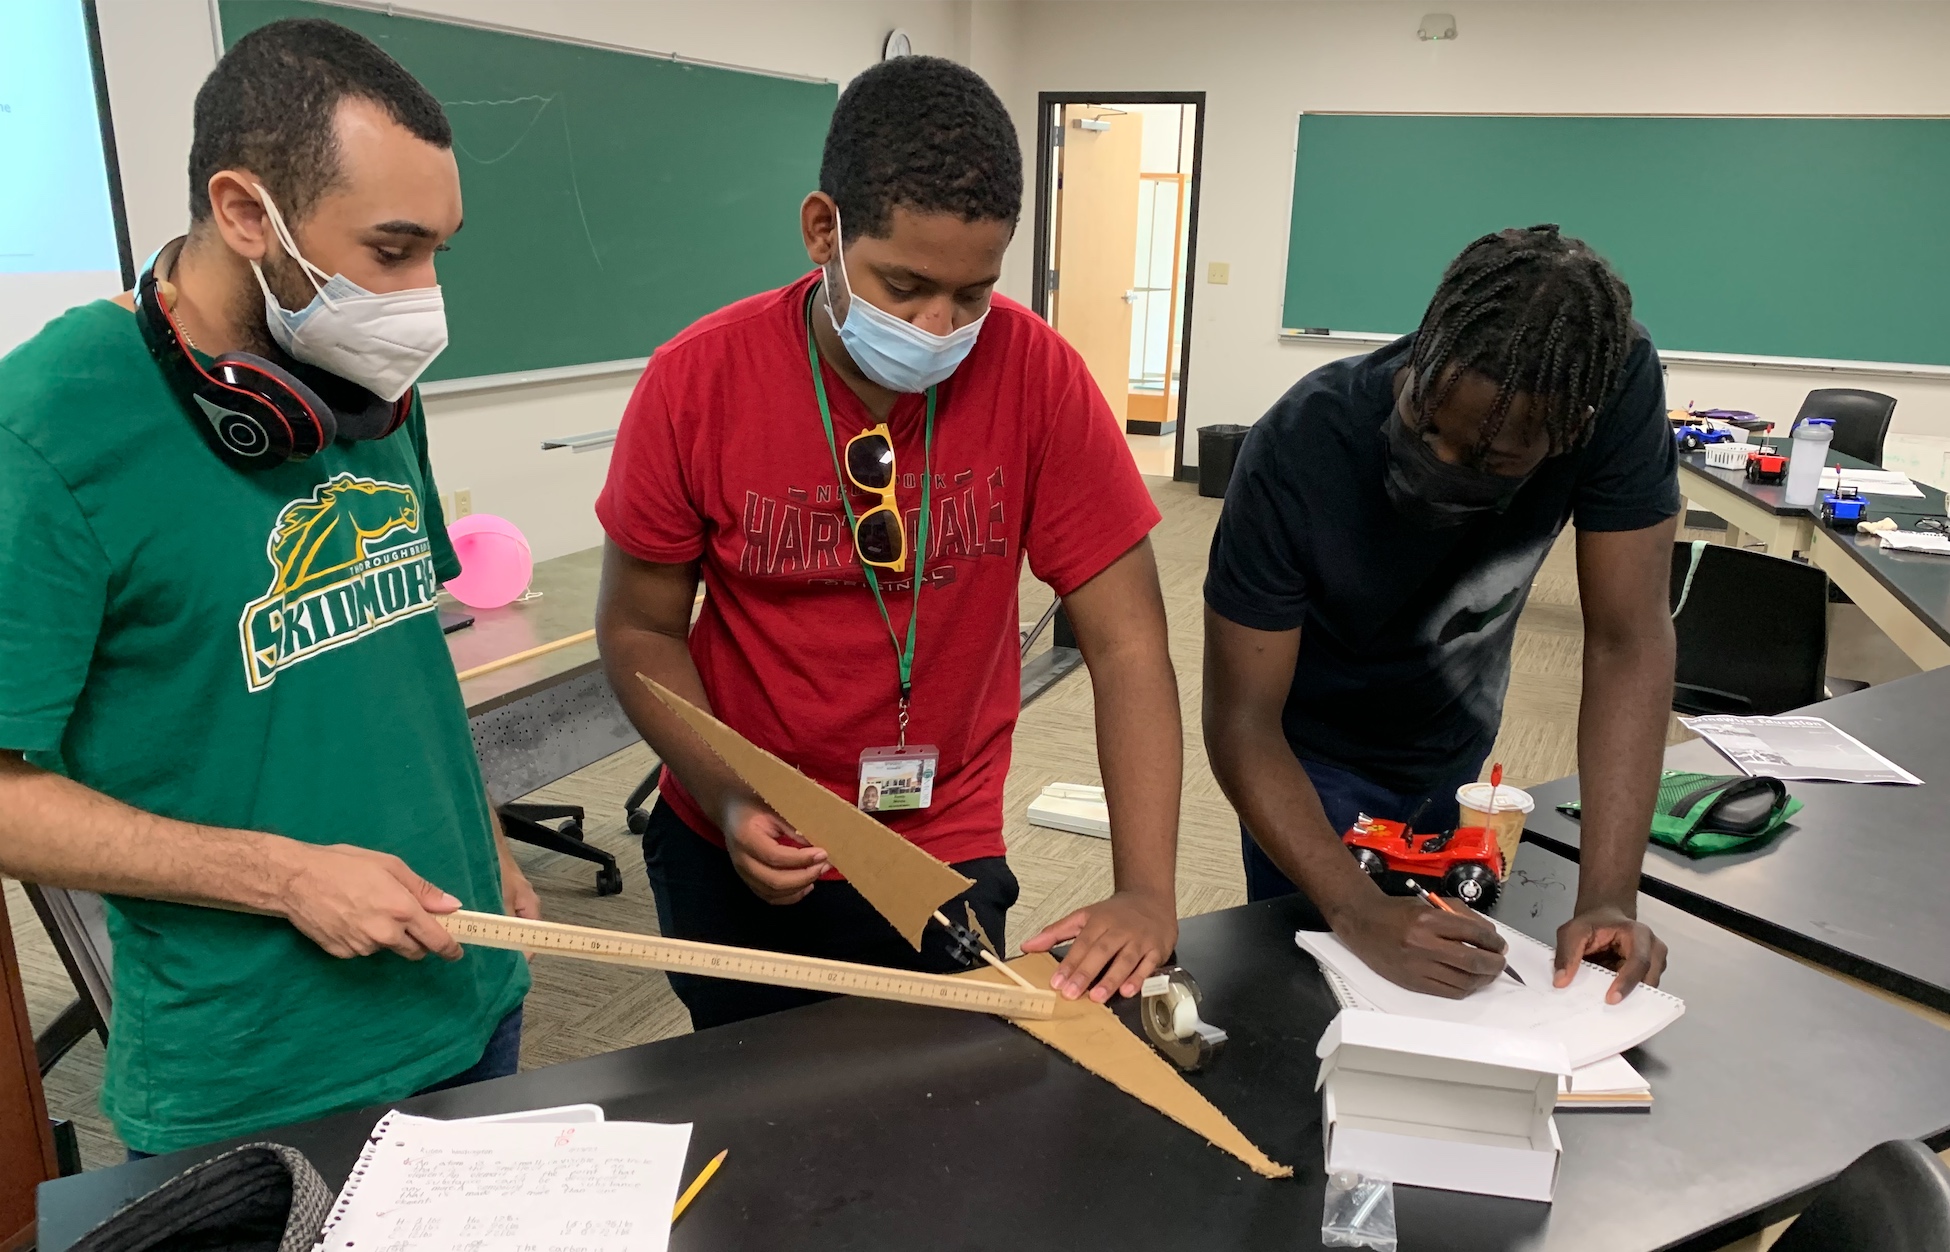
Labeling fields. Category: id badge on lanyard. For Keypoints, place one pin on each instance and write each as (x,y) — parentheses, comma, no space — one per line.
(894,780)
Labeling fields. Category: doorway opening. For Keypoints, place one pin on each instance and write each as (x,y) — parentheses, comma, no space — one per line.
(1117,182)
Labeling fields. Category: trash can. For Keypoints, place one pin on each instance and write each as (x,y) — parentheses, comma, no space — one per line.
(1218,448)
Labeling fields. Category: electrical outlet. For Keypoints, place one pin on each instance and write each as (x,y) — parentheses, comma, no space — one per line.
(1219,273)
(463,505)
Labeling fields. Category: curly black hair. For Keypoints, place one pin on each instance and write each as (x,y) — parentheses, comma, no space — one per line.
(1539,312)
(270,106)
(926,134)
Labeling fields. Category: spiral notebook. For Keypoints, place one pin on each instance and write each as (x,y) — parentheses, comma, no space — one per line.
(1610,1085)
(1576,1016)
(431,1186)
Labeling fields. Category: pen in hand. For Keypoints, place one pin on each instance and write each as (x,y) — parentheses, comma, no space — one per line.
(1435,900)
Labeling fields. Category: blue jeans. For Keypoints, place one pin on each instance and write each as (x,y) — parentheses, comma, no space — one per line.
(499,1059)
(1346,795)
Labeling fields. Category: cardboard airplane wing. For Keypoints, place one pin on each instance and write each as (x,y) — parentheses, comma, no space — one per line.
(904,883)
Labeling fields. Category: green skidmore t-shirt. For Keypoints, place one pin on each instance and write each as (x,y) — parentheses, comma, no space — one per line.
(257,650)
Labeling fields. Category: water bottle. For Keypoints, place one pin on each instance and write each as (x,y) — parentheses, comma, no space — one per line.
(1806,461)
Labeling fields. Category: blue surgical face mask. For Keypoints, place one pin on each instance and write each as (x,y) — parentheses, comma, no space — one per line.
(892,351)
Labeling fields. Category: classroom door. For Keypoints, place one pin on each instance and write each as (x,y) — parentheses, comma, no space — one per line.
(1096,241)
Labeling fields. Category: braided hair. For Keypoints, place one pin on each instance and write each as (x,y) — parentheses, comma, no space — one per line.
(1538,312)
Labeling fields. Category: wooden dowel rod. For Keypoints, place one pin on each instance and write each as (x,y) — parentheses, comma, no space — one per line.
(529,655)
(994,960)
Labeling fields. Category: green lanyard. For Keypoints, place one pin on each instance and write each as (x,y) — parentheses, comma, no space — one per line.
(904,655)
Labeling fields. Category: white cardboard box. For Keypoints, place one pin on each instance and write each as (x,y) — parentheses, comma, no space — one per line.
(1441,1104)
(1075,807)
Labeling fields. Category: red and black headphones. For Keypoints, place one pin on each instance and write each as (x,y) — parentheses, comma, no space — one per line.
(257,413)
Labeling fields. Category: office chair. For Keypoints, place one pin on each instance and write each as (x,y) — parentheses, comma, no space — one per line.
(1894,1198)
(1752,632)
(77,924)
(1861,419)
(523,821)
(635,816)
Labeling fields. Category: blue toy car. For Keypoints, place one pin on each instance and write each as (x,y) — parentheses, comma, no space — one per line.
(1843,508)
(1693,438)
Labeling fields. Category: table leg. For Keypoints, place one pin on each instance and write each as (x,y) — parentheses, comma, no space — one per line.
(1904,627)
(1786,540)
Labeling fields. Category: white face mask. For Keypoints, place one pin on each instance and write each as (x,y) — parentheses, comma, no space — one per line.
(383,341)
(892,351)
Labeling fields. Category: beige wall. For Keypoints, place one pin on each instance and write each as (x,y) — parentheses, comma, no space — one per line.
(158,51)
(1262,63)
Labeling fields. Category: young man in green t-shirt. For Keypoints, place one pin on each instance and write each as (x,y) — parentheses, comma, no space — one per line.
(222,680)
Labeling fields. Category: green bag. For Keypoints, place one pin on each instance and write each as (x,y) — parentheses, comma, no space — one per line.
(1708,814)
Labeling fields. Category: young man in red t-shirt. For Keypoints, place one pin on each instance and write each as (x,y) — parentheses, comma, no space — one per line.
(972,437)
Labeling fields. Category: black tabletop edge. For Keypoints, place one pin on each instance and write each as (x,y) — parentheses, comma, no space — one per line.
(1763,931)
(1931,504)
(1696,463)
(1872,560)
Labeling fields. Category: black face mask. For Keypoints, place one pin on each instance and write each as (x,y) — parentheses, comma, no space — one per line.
(1433,494)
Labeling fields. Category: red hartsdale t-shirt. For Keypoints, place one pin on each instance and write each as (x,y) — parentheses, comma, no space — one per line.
(721,458)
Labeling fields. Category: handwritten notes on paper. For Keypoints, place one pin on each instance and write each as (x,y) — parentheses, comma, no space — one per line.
(431,1186)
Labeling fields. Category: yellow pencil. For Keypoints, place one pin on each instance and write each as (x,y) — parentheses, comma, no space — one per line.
(697,1185)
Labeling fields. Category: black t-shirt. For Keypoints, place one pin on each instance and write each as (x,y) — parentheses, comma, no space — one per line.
(1405,633)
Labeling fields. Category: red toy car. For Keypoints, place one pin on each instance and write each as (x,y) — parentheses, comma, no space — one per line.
(1465,861)
(1766,467)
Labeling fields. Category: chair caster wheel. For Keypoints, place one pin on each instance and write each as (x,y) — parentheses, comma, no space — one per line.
(609,881)
(572,828)
(639,821)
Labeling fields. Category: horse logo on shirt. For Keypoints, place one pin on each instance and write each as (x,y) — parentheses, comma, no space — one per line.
(349,559)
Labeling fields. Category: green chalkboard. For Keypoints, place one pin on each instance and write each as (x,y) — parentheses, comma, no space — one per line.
(611,198)
(1800,237)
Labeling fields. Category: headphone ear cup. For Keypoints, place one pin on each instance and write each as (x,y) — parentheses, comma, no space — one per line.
(360,414)
(402,409)
(375,419)
(313,423)
(249,430)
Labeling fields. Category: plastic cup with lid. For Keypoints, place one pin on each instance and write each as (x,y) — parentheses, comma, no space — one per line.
(1503,814)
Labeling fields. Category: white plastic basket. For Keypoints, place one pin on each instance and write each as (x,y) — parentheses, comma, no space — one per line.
(1727,455)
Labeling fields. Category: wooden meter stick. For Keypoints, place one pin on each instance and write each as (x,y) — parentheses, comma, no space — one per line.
(778,969)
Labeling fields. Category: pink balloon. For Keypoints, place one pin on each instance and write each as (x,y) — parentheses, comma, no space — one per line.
(495,563)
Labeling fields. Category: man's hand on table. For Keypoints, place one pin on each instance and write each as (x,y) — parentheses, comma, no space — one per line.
(1116,944)
(1615,939)
(354,902)
(1420,947)
(768,854)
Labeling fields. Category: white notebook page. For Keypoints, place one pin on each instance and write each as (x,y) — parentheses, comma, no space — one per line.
(431,1186)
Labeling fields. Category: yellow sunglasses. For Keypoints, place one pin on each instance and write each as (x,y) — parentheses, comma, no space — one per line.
(879,534)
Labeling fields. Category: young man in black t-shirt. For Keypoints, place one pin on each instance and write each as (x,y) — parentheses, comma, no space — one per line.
(1380,535)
